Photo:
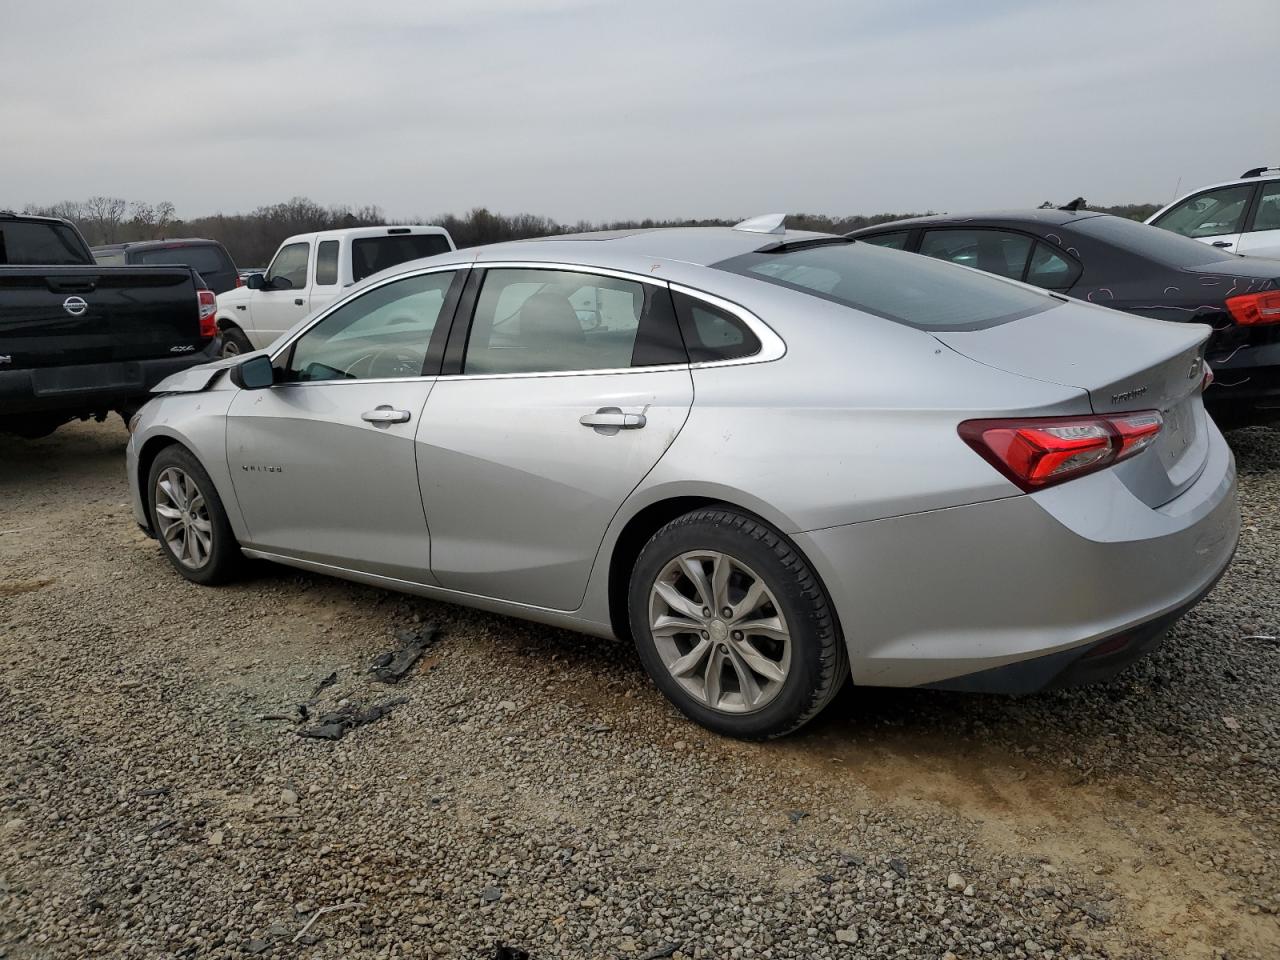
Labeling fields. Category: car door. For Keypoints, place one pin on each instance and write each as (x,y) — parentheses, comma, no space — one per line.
(323,461)
(1214,216)
(282,300)
(570,385)
(1261,236)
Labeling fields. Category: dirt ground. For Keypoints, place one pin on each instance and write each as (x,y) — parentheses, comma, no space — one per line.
(536,789)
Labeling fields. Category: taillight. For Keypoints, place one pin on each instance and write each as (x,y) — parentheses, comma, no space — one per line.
(1207,382)
(208,314)
(239,280)
(1251,309)
(1043,451)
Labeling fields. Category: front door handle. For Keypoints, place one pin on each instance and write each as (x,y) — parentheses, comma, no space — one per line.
(385,414)
(610,420)
(297,301)
(1222,243)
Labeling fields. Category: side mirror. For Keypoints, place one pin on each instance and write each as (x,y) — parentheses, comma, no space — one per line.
(255,281)
(280,283)
(253,373)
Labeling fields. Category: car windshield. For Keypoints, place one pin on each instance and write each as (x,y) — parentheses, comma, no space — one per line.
(902,287)
(1154,243)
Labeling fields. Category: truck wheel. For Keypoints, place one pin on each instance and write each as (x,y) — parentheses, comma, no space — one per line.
(189,520)
(733,626)
(234,342)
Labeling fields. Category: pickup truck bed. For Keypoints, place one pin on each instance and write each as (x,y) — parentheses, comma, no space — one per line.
(84,340)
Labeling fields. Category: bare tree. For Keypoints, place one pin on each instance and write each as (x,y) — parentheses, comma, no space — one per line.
(165,213)
(106,213)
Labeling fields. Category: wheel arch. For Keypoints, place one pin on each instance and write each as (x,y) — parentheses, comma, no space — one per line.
(659,510)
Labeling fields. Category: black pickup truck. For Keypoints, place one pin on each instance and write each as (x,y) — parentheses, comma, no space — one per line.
(79,340)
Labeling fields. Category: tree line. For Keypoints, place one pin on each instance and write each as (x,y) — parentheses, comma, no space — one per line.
(251,238)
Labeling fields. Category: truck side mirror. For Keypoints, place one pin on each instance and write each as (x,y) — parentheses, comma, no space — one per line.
(255,281)
(253,373)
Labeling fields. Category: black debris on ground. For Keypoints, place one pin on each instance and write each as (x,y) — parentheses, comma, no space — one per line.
(336,725)
(392,666)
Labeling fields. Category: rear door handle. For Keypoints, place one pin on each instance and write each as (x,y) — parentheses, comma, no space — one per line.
(612,419)
(385,414)
(1222,243)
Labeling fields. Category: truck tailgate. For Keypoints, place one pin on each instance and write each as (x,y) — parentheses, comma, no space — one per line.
(58,316)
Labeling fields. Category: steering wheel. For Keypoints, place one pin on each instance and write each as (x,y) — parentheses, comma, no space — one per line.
(388,362)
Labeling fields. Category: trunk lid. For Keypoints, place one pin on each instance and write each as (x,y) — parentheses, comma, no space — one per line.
(58,316)
(1125,364)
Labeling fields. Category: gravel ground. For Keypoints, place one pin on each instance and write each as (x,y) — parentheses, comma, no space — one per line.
(534,789)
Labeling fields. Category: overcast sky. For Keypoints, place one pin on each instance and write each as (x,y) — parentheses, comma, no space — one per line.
(597,109)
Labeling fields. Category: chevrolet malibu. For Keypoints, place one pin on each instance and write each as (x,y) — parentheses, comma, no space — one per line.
(772,460)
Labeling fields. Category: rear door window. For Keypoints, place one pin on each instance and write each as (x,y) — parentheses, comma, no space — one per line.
(993,251)
(327,263)
(917,291)
(369,255)
(544,321)
(1267,216)
(1209,214)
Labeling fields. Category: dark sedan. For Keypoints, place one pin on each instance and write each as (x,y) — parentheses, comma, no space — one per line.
(1132,267)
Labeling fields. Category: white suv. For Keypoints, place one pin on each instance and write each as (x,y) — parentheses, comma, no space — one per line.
(1242,216)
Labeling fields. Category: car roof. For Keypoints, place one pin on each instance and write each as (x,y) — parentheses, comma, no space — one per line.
(373,230)
(157,244)
(701,246)
(31,217)
(1050,218)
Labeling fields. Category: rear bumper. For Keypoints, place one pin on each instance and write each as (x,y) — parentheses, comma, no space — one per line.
(91,387)
(1247,386)
(1015,595)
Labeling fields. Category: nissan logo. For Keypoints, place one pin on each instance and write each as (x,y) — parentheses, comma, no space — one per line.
(75,306)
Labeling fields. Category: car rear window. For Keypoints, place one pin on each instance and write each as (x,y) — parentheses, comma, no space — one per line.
(23,243)
(371,254)
(903,287)
(200,257)
(1154,243)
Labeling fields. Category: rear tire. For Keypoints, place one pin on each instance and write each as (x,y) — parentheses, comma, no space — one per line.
(234,342)
(733,626)
(189,520)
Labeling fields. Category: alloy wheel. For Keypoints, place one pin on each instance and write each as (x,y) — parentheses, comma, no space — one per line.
(720,631)
(183,518)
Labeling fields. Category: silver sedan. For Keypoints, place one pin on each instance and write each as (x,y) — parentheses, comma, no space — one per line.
(772,460)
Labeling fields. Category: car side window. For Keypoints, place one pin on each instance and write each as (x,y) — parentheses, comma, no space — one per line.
(546,321)
(712,334)
(326,263)
(1210,213)
(382,333)
(992,251)
(291,264)
(1050,269)
(894,241)
(1268,214)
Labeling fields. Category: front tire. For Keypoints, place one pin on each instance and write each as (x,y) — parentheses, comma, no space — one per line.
(234,342)
(733,626)
(189,520)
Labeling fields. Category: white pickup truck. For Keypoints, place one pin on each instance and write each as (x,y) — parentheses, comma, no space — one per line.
(310,271)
